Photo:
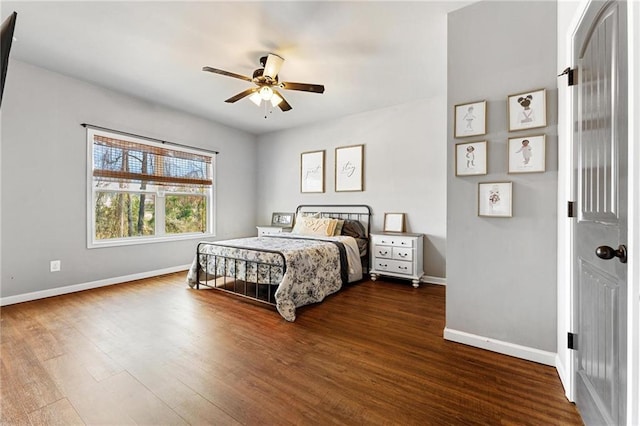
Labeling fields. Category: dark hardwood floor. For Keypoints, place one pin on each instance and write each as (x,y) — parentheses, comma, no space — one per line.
(155,351)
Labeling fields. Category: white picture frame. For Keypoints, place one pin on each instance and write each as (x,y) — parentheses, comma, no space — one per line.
(495,199)
(312,172)
(349,168)
(470,119)
(527,154)
(394,222)
(527,110)
(471,158)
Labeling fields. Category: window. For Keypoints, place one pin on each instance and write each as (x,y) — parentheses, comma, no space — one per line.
(142,191)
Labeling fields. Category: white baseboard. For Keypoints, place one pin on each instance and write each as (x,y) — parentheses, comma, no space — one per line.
(87,286)
(565,379)
(506,348)
(433,280)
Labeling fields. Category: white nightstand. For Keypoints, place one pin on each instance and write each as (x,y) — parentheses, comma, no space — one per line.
(265,230)
(397,254)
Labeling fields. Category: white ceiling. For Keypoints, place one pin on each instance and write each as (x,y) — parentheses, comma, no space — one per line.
(368,55)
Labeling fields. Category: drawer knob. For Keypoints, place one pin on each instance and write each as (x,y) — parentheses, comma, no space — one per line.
(383,252)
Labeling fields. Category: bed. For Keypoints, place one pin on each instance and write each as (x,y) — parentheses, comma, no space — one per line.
(327,249)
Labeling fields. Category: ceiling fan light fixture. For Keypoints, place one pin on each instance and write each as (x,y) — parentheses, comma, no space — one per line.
(272,65)
(256,99)
(266,93)
(275,100)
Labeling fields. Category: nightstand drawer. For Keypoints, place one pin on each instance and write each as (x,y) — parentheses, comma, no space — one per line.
(266,230)
(384,252)
(392,240)
(396,266)
(402,254)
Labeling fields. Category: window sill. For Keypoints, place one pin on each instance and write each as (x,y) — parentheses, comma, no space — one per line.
(146,240)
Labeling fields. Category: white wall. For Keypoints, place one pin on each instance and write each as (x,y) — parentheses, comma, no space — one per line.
(405,169)
(44,180)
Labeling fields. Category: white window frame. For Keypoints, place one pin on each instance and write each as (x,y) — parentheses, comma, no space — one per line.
(160,235)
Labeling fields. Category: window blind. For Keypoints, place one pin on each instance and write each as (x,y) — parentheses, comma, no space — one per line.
(118,160)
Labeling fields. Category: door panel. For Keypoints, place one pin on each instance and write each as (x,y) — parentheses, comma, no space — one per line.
(600,150)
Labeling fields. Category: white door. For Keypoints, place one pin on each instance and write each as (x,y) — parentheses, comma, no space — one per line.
(600,149)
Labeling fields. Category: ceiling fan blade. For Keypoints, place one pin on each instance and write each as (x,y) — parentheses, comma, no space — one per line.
(304,87)
(227,73)
(241,95)
(272,66)
(283,105)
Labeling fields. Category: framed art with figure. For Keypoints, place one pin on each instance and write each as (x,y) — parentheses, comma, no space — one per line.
(527,110)
(471,158)
(470,119)
(527,154)
(495,199)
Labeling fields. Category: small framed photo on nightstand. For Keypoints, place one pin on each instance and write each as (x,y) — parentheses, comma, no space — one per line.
(394,222)
(284,220)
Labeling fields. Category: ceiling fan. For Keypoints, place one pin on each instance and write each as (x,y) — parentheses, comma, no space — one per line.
(267,83)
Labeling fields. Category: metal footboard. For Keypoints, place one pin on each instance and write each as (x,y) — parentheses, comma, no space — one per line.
(235,274)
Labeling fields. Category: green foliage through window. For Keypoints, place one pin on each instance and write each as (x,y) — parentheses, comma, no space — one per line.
(118,215)
(185,213)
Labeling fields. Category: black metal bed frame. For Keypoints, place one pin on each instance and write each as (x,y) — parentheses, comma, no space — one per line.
(264,291)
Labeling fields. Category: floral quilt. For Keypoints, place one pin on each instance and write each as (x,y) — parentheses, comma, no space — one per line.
(314,267)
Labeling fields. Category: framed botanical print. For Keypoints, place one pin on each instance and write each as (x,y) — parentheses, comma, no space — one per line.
(312,171)
(527,154)
(527,110)
(470,119)
(349,168)
(471,158)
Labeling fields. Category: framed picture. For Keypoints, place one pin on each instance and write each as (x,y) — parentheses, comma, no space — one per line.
(527,110)
(495,199)
(470,119)
(284,220)
(349,170)
(312,171)
(527,154)
(393,222)
(471,158)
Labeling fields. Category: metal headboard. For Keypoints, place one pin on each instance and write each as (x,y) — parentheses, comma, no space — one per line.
(359,212)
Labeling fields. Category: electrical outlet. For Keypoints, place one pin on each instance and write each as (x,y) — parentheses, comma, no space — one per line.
(54,266)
